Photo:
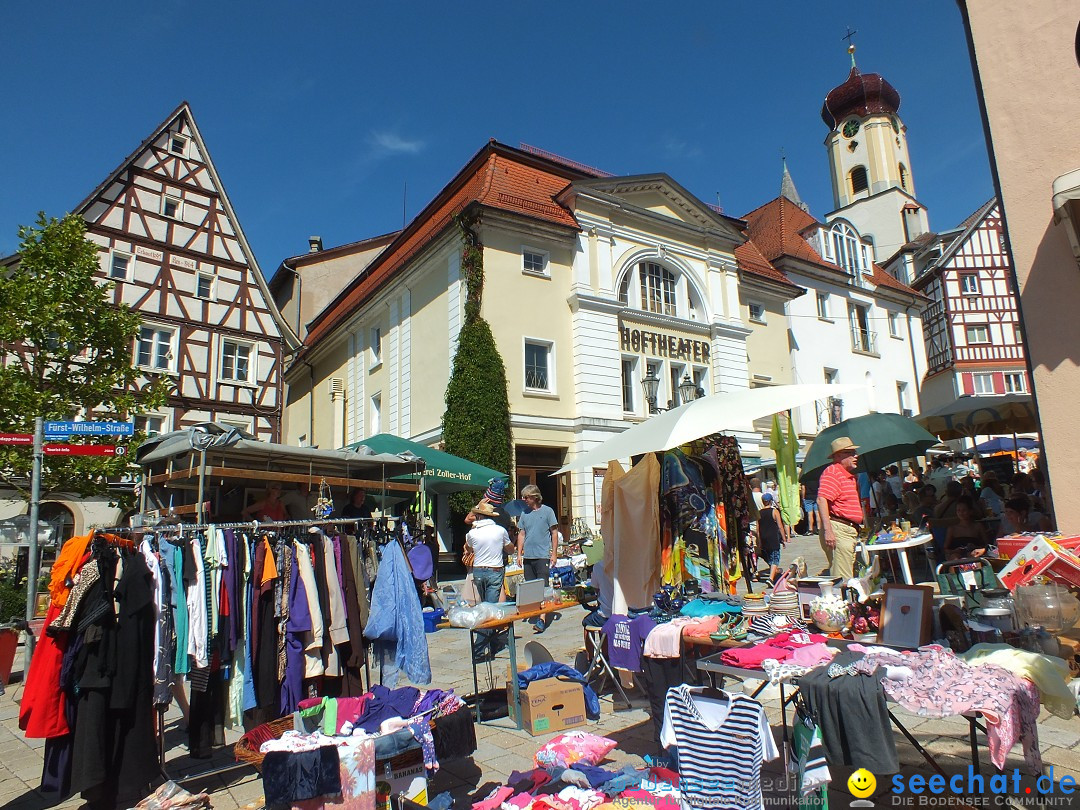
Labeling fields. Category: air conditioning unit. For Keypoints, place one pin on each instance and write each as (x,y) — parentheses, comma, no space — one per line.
(337,388)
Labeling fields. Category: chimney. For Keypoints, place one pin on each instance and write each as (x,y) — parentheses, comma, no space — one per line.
(314,244)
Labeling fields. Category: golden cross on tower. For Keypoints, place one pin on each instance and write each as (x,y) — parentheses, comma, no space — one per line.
(851,45)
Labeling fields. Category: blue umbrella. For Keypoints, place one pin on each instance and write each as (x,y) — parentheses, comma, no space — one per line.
(1003,444)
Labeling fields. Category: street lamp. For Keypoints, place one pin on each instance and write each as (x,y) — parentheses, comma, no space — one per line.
(688,390)
(651,383)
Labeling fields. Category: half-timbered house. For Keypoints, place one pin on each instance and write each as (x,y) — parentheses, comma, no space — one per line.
(172,248)
(971,326)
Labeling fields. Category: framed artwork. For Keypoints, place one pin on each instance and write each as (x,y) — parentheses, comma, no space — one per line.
(906,616)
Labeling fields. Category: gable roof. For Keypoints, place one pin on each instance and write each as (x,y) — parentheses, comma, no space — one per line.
(967,228)
(498,177)
(699,212)
(777,229)
(750,260)
(183,111)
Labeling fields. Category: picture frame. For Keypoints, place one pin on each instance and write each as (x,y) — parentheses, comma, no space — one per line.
(906,615)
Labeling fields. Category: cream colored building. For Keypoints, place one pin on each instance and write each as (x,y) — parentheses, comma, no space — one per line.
(1027,70)
(591,283)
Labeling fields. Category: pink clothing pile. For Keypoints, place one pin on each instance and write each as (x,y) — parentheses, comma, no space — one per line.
(664,640)
(942,685)
(780,647)
(702,628)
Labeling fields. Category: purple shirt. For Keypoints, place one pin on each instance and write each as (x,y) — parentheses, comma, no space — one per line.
(626,640)
(292,685)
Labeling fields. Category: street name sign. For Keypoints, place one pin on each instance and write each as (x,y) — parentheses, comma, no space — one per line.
(17,438)
(84,450)
(89,429)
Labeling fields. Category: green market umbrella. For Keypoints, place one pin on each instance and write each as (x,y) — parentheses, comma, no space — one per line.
(883,438)
(443,472)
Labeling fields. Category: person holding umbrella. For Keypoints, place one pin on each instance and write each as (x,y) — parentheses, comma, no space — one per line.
(839,508)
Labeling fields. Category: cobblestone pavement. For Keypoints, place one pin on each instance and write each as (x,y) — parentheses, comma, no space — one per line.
(503,749)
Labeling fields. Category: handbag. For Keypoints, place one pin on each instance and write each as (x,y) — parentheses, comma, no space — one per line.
(467,557)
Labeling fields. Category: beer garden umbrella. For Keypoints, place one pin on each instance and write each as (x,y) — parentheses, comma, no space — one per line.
(971,416)
(883,438)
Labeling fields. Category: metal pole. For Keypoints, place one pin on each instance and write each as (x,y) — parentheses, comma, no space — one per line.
(202,486)
(32,562)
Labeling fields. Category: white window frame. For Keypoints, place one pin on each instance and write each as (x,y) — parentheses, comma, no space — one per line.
(375,347)
(750,305)
(982,376)
(894,326)
(848,249)
(653,289)
(823,307)
(212,295)
(545,258)
(252,361)
(375,414)
(179,215)
(183,139)
(129,259)
(629,382)
(968,328)
(964,277)
(549,347)
(236,420)
(172,355)
(145,417)
(1011,377)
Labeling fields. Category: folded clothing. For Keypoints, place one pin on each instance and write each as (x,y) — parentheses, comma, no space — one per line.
(751,657)
(292,776)
(703,628)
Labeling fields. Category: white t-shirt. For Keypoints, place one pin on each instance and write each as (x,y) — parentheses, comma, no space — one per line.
(487,539)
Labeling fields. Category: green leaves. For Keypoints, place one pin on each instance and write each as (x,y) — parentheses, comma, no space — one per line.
(476,422)
(66,352)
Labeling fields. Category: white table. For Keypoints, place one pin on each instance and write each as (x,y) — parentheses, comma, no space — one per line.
(901,551)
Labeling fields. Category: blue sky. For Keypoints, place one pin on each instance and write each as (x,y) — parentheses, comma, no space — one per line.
(319,114)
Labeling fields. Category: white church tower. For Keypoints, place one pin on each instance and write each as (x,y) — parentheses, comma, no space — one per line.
(870,168)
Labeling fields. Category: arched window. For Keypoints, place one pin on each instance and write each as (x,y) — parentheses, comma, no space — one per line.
(859,180)
(654,287)
(849,251)
(657,288)
(903,177)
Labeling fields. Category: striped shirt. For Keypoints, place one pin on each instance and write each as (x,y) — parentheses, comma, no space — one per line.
(838,488)
(721,747)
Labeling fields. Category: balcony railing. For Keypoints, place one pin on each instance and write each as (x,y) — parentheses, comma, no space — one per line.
(864,340)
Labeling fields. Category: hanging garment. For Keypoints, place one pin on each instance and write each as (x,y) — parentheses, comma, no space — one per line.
(636,537)
(356,655)
(198,620)
(723,739)
(313,636)
(297,630)
(396,622)
(787,475)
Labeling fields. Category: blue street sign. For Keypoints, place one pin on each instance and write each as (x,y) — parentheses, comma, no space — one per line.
(68,429)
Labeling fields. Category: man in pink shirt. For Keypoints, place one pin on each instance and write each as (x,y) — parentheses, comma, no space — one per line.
(840,511)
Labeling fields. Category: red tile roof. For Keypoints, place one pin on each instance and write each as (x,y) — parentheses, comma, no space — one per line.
(882,279)
(497,177)
(750,260)
(777,227)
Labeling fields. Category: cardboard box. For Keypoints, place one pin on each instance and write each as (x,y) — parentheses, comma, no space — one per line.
(1042,556)
(403,773)
(549,705)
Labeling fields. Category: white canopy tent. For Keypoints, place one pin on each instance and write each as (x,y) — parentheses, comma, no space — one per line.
(712,414)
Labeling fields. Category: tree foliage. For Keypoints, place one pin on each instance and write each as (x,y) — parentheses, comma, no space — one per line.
(476,422)
(66,352)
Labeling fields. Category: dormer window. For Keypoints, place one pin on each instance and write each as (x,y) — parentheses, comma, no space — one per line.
(848,250)
(178,144)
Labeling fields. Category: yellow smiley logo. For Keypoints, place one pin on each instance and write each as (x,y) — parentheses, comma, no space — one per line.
(861,783)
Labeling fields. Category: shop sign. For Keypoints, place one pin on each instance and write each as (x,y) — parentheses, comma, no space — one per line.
(659,344)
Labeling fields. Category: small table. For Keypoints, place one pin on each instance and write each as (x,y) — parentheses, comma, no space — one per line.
(901,551)
(508,622)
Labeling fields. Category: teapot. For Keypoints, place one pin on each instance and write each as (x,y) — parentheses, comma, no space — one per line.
(1051,606)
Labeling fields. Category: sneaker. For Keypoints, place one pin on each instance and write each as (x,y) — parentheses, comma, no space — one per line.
(539,626)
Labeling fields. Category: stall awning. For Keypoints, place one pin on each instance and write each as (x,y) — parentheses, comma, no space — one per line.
(443,472)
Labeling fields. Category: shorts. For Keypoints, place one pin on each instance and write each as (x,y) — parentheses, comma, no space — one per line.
(538,568)
(809,506)
(772,557)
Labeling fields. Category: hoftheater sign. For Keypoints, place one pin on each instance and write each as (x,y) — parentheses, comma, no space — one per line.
(659,344)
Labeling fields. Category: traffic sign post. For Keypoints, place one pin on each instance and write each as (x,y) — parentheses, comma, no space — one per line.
(32,561)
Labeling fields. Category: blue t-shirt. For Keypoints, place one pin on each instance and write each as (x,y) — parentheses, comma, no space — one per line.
(537,525)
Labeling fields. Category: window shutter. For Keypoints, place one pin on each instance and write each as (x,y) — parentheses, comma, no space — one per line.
(999,382)
(969,383)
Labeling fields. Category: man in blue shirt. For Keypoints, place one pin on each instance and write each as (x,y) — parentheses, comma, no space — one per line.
(537,541)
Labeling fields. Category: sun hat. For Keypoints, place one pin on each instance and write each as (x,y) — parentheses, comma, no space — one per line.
(842,444)
(496,490)
(484,508)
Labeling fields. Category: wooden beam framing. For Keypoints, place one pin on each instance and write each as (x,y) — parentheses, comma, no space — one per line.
(292,478)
